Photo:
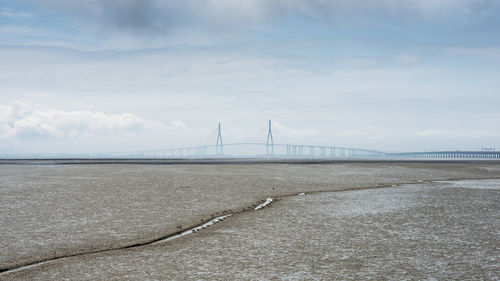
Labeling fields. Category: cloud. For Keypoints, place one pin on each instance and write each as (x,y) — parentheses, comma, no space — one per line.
(485,52)
(370,132)
(162,15)
(291,133)
(27,121)
(139,24)
(445,133)
(432,133)
(406,59)
(158,15)
(14,15)
(179,125)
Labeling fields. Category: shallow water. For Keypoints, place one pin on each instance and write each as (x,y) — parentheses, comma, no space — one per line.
(443,230)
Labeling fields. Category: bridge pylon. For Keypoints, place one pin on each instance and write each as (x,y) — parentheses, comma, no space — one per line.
(270,141)
(219,145)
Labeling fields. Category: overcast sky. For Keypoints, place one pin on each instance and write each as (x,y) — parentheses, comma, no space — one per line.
(120,75)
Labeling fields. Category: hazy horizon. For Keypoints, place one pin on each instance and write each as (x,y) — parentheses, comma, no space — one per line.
(98,76)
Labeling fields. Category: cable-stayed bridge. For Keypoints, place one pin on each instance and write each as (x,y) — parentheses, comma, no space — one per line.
(257,150)
(270,149)
(298,151)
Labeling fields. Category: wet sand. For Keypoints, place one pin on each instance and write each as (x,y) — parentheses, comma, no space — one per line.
(61,210)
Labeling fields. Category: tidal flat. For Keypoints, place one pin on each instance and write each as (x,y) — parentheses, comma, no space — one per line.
(353,221)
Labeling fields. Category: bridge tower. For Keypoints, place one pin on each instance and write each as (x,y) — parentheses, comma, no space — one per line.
(219,146)
(270,141)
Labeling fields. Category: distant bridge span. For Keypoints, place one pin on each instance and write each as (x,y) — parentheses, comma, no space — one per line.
(448,154)
(300,151)
(270,149)
(258,150)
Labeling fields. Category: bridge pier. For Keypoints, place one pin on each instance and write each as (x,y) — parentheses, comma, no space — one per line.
(219,145)
(270,141)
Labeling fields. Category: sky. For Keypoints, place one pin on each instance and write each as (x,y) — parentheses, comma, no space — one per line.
(84,76)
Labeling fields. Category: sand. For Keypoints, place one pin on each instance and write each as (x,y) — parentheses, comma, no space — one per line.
(54,211)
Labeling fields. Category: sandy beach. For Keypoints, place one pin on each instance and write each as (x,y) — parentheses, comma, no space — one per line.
(351,221)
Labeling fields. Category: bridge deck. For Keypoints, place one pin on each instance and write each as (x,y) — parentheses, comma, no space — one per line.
(300,151)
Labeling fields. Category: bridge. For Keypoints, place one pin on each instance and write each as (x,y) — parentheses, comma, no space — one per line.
(269,149)
(448,154)
(275,150)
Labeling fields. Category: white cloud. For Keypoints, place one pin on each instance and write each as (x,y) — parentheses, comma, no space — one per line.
(27,121)
(179,124)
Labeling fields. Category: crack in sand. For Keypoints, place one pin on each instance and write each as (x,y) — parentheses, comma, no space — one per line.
(194,229)
(163,239)
(204,225)
(268,201)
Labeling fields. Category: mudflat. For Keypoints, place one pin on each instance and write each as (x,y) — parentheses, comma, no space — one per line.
(378,219)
